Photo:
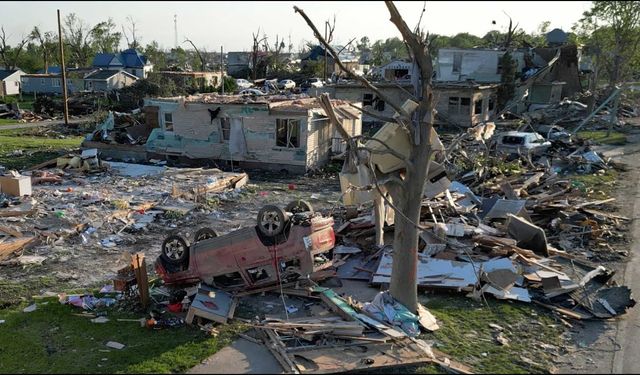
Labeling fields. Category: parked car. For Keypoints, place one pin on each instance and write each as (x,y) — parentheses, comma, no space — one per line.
(554,133)
(315,82)
(520,142)
(286,84)
(295,240)
(254,92)
(243,83)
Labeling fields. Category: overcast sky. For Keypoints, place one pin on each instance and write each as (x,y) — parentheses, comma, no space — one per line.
(230,24)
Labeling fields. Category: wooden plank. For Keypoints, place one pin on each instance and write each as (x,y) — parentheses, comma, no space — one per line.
(9,247)
(10,231)
(11,213)
(139,267)
(562,311)
(594,203)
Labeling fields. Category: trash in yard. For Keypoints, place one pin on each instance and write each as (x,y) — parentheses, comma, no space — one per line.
(100,319)
(115,345)
(30,308)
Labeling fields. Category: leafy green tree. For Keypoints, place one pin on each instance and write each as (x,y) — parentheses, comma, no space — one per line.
(47,46)
(104,38)
(77,38)
(613,29)
(157,56)
(465,40)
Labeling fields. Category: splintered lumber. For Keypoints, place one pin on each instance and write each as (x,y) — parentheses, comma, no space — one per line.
(9,247)
(594,203)
(10,213)
(450,365)
(569,313)
(10,231)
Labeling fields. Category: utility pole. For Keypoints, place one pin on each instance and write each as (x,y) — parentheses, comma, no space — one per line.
(175,29)
(222,68)
(64,74)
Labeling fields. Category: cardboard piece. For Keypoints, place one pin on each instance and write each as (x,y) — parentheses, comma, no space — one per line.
(15,186)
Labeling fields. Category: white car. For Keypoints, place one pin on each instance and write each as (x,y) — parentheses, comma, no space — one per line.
(315,82)
(255,92)
(286,84)
(521,143)
(243,83)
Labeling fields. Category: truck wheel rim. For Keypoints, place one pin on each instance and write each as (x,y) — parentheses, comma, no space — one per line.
(270,222)
(174,249)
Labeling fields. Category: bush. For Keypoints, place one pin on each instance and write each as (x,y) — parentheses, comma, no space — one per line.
(229,85)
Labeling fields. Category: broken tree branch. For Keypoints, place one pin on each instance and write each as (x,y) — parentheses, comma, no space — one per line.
(326,105)
(362,80)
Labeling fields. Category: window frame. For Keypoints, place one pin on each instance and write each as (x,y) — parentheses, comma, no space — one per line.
(165,122)
(476,104)
(289,123)
(225,122)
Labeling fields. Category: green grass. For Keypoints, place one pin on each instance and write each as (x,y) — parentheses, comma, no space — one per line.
(597,186)
(4,121)
(600,136)
(53,340)
(35,149)
(465,334)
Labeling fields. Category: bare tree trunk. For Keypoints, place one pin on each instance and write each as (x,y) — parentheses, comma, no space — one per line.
(379,216)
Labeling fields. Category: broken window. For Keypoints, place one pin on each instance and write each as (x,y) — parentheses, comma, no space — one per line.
(367,99)
(457,62)
(288,133)
(454,103)
(491,104)
(499,69)
(258,274)
(56,82)
(225,128)
(379,105)
(228,280)
(168,122)
(477,108)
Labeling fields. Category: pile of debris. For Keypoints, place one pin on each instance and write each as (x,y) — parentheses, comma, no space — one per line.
(525,233)
(13,111)
(121,128)
(81,201)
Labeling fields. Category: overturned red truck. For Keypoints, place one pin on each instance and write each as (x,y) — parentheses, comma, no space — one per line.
(284,245)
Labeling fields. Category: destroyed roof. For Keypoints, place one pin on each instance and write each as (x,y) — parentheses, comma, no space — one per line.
(274,102)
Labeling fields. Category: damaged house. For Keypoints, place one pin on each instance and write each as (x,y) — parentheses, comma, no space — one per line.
(550,73)
(290,135)
(464,103)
